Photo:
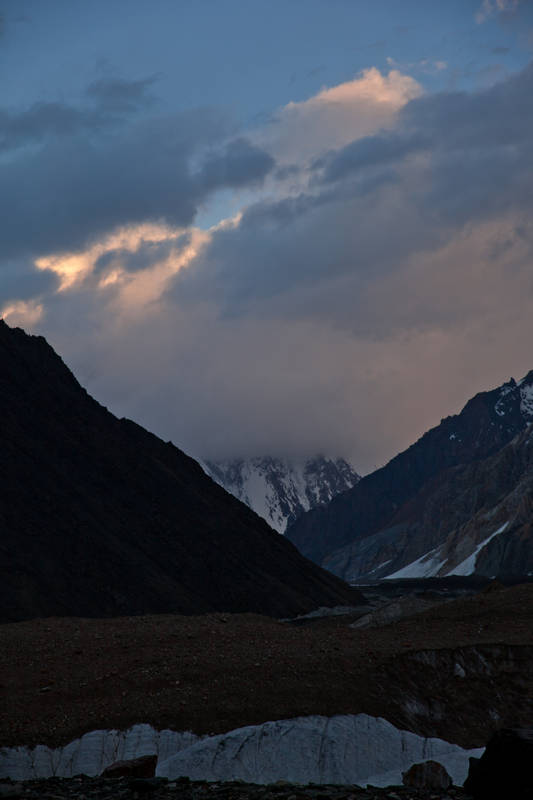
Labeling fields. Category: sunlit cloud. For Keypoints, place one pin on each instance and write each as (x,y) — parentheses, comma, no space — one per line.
(72,268)
(22,313)
(337,115)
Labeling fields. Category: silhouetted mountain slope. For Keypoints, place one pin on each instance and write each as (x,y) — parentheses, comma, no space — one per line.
(378,526)
(98,517)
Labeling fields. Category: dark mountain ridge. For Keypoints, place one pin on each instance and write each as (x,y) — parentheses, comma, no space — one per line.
(98,517)
(378,520)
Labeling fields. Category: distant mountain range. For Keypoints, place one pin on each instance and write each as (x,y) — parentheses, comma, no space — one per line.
(100,518)
(458,501)
(279,490)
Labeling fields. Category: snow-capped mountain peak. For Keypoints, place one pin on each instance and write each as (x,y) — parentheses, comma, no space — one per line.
(516,396)
(280,489)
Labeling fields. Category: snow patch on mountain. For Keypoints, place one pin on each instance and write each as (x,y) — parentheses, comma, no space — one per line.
(344,749)
(280,489)
(435,562)
(526,404)
(468,566)
(516,392)
(427,566)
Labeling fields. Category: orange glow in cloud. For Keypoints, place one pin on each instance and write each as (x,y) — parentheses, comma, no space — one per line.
(338,115)
(22,313)
(74,267)
(146,286)
(133,290)
(393,90)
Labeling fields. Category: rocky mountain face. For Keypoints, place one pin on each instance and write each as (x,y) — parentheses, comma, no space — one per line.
(280,490)
(100,518)
(458,501)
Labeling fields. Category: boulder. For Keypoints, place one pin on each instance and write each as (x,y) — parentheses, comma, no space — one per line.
(142,767)
(427,775)
(505,768)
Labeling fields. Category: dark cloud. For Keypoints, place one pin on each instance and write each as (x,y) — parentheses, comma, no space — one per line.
(44,120)
(289,171)
(21,280)
(120,95)
(371,151)
(146,255)
(69,191)
(113,99)
(238,164)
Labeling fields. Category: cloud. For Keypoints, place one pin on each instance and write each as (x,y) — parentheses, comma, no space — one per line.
(118,94)
(239,163)
(347,315)
(144,256)
(75,187)
(113,99)
(20,280)
(423,65)
(451,160)
(491,7)
(42,120)
(432,336)
(369,152)
(337,115)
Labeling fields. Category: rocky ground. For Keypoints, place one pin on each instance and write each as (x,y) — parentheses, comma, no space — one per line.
(458,671)
(83,788)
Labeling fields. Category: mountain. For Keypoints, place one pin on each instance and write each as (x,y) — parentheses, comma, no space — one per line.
(98,517)
(432,509)
(279,490)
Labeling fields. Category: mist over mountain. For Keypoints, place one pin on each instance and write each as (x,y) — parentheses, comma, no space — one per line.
(100,518)
(458,501)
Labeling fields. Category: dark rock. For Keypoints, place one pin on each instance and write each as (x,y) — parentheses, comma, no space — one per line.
(505,768)
(428,775)
(146,785)
(11,790)
(143,767)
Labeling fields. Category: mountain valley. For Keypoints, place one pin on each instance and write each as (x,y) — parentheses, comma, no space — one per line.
(143,604)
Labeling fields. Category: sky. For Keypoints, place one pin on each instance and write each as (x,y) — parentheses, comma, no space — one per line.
(272,227)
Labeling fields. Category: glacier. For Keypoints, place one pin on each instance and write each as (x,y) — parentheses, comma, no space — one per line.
(343,749)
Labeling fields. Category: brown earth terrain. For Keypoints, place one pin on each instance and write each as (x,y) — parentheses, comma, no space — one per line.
(459,670)
(183,789)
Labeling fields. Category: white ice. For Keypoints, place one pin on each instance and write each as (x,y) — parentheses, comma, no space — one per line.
(344,749)
(348,749)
